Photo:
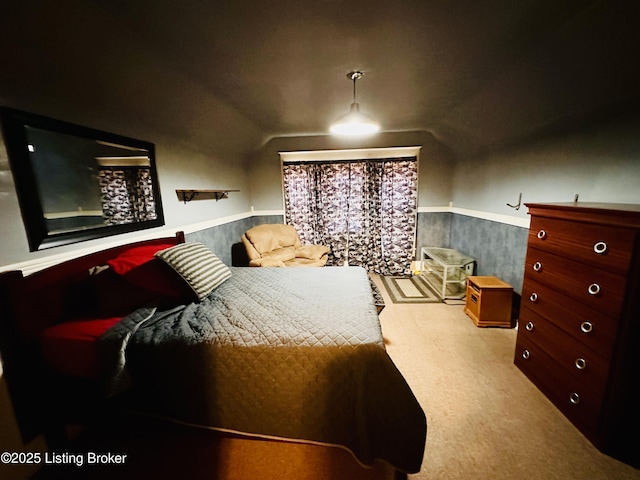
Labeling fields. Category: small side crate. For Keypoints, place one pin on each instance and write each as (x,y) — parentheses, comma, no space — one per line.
(488,301)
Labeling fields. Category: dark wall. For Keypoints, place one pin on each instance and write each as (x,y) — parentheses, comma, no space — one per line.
(499,249)
(434,230)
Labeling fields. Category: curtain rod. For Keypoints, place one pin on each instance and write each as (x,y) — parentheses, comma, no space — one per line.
(367,160)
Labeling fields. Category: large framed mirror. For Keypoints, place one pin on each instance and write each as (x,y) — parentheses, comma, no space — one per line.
(76,183)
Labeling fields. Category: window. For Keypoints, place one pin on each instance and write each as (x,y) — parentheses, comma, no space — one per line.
(362,203)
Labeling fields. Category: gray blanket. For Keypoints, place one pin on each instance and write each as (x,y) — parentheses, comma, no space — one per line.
(294,353)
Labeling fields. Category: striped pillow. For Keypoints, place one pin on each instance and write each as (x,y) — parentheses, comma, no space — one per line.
(198,265)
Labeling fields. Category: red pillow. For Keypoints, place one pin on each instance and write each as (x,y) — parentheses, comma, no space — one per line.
(72,347)
(111,295)
(158,277)
(134,257)
(139,268)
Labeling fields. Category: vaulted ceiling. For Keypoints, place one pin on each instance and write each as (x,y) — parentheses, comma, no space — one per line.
(477,74)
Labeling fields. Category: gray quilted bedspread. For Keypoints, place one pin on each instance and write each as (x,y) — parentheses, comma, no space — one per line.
(294,353)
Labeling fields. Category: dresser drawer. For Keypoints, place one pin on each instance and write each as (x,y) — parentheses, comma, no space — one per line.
(596,288)
(580,405)
(605,247)
(594,329)
(581,362)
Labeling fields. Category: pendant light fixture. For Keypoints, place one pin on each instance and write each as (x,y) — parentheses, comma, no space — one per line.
(355,122)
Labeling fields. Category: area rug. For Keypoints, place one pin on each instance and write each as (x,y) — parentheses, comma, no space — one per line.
(412,289)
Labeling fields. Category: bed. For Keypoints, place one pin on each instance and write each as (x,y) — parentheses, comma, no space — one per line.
(161,329)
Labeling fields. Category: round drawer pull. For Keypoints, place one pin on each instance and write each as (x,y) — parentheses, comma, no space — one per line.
(526,354)
(586,327)
(581,363)
(574,398)
(542,234)
(594,289)
(537,266)
(533,297)
(529,326)
(600,248)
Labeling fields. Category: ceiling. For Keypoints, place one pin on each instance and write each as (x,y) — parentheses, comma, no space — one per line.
(477,74)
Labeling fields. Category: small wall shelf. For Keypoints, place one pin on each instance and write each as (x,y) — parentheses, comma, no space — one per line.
(188,195)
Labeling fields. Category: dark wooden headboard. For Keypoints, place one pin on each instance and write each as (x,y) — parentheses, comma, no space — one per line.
(29,304)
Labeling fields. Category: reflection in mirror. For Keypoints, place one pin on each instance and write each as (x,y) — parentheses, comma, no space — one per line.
(125,184)
(76,183)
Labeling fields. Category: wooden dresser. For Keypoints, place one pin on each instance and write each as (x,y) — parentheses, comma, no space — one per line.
(578,331)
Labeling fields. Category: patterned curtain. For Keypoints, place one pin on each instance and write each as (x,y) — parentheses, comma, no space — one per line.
(364,210)
(127,195)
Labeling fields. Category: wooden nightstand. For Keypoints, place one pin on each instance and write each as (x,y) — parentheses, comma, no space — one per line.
(489,301)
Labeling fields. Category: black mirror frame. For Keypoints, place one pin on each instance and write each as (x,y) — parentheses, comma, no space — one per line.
(15,139)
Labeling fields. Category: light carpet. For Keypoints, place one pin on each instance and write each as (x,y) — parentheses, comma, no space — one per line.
(486,420)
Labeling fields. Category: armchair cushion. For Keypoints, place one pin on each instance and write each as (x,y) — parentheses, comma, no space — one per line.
(282,254)
(312,252)
(266,262)
(269,237)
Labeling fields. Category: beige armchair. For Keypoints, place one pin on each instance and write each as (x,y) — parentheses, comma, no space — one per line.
(278,245)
